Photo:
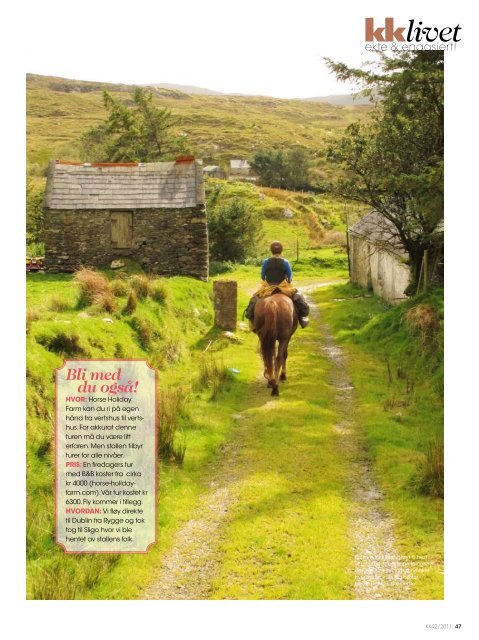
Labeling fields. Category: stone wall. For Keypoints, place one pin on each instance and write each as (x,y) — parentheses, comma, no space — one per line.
(376,269)
(165,241)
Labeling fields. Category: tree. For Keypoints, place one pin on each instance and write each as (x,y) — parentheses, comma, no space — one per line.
(139,133)
(394,161)
(34,212)
(299,167)
(270,166)
(288,169)
(233,229)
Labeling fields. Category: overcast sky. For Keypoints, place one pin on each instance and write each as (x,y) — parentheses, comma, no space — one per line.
(245,46)
(241,46)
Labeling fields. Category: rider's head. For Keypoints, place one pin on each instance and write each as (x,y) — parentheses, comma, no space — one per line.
(276,248)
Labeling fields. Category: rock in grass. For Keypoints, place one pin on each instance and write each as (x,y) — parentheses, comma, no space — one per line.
(229,335)
(117,264)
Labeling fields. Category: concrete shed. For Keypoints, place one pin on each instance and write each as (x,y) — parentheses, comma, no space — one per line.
(153,213)
(377,258)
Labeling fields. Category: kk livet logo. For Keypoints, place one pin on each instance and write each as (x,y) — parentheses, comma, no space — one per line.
(415,35)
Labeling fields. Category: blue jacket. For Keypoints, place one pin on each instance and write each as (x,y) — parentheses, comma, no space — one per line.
(285,265)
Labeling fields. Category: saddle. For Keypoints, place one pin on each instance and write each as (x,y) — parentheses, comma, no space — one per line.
(267,290)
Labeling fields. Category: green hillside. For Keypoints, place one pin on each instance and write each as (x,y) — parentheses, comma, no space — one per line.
(217,127)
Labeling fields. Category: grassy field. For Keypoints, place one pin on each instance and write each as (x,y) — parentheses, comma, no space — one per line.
(217,128)
(296,474)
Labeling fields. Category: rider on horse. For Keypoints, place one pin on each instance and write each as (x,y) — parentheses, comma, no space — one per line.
(277,275)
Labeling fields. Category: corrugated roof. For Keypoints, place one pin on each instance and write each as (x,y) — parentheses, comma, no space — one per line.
(155,185)
(378,230)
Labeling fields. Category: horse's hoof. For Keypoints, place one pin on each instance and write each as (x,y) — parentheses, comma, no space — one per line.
(275,391)
(282,376)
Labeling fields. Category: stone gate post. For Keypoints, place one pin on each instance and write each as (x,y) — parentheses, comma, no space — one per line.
(225,294)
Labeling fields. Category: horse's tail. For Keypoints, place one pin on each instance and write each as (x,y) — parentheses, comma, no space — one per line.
(268,337)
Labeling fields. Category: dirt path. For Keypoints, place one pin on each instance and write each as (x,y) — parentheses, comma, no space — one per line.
(194,561)
(379,570)
(189,568)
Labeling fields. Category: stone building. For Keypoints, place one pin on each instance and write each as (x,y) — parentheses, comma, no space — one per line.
(377,259)
(153,213)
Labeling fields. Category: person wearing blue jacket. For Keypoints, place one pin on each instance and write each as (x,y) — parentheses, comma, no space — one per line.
(277,275)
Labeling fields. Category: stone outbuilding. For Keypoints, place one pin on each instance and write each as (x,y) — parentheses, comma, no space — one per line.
(377,258)
(153,213)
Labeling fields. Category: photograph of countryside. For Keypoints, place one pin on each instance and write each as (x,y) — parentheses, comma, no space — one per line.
(300,436)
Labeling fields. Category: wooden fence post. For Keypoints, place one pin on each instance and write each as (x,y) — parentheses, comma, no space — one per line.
(425,274)
(225,294)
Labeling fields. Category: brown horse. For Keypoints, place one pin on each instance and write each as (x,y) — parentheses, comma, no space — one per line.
(275,320)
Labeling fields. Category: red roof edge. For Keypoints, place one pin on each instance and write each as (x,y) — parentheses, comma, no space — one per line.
(184,159)
(179,160)
(98,164)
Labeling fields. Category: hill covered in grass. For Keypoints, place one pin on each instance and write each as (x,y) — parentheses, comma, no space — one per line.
(303,222)
(217,127)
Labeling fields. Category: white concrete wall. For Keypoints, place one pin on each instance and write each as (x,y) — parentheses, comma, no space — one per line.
(377,269)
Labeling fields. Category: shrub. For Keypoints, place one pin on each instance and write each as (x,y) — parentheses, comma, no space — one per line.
(234,230)
(105,301)
(40,515)
(172,349)
(31,316)
(95,567)
(424,321)
(92,283)
(34,212)
(159,292)
(212,374)
(217,267)
(430,479)
(119,350)
(142,285)
(334,238)
(145,330)
(53,582)
(131,303)
(288,169)
(63,343)
(315,229)
(120,288)
(35,248)
(57,304)
(171,409)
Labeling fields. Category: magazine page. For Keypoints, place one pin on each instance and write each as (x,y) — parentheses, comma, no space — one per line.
(234,304)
